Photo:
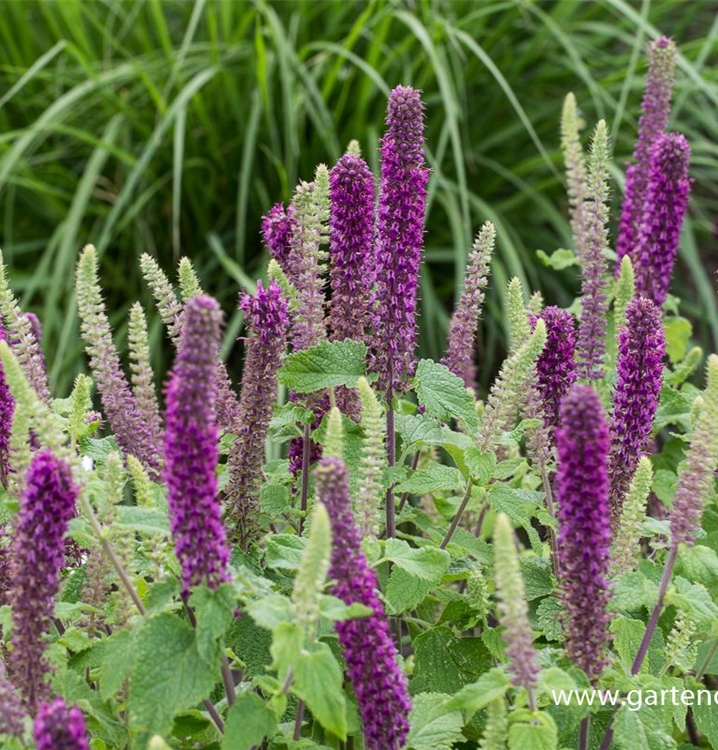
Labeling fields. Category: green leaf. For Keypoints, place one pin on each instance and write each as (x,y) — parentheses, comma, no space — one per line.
(215,612)
(706,719)
(627,640)
(405,591)
(472,698)
(633,591)
(169,675)
(146,521)
(270,610)
(287,639)
(678,333)
(444,394)
(318,682)
(434,726)
(481,465)
(284,551)
(535,731)
(700,564)
(548,614)
(116,663)
(695,600)
(435,478)
(249,721)
(538,580)
(325,365)
(559,259)
(427,563)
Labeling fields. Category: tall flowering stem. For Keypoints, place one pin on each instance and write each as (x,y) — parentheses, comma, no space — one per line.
(460,349)
(352,264)
(584,527)
(641,349)
(591,344)
(46,506)
(351,235)
(575,163)
(120,405)
(267,321)
(143,383)
(7,409)
(513,610)
(23,336)
(664,209)
(400,237)
(58,727)
(191,449)
(555,366)
(277,228)
(656,109)
(11,710)
(379,684)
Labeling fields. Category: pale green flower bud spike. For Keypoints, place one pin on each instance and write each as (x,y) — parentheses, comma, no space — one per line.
(626,544)
(625,291)
(333,446)
(168,305)
(80,406)
(575,164)
(141,483)
(373,460)
(354,148)
(312,571)
(519,328)
(497,726)
(188,281)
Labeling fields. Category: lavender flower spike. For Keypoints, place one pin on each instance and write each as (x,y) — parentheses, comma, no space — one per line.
(461,347)
(46,506)
(11,710)
(664,209)
(584,527)
(556,367)
(696,479)
(58,727)
(191,449)
(120,405)
(351,233)
(371,657)
(267,320)
(277,228)
(640,370)
(512,608)
(591,346)
(400,227)
(7,409)
(653,121)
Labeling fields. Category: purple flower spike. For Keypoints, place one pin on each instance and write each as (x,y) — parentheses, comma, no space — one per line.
(46,506)
(58,727)
(400,225)
(653,121)
(640,369)
(371,657)
(664,209)
(267,320)
(556,366)
(277,234)
(584,527)
(191,449)
(7,409)
(351,232)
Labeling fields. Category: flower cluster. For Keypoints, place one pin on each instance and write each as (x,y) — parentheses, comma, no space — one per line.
(277,227)
(58,727)
(7,408)
(638,385)
(46,507)
(400,237)
(379,684)
(267,320)
(191,449)
(584,527)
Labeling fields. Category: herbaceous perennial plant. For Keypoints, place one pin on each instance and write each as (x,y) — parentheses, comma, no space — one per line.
(426,563)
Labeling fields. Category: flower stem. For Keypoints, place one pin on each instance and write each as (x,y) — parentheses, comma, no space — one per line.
(457,516)
(390,460)
(306,456)
(583,733)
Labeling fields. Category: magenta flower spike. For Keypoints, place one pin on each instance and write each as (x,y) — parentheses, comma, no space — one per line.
(556,366)
(400,237)
(584,527)
(379,684)
(277,226)
(642,347)
(7,409)
(46,506)
(351,234)
(664,210)
(58,727)
(656,108)
(191,449)
(267,320)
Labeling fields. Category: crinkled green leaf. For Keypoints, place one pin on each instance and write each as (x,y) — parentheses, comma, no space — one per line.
(328,364)
(444,394)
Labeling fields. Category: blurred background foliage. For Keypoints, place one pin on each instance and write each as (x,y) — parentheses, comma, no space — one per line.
(170,127)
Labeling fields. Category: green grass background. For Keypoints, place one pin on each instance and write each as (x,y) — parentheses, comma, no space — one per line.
(170,127)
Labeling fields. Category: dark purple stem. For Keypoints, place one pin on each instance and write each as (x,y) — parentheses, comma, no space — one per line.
(457,517)
(583,733)
(298,721)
